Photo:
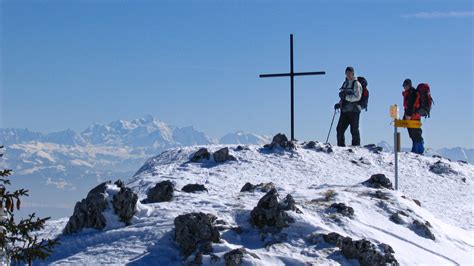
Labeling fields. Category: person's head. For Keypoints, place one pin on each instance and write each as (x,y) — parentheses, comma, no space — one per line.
(349,72)
(407,84)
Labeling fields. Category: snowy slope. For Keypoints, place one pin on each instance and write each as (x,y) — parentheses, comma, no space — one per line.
(306,174)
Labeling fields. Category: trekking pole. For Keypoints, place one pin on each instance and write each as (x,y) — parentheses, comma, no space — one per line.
(332,122)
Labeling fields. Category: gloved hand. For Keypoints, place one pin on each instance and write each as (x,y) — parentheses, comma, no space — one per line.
(342,94)
(337,106)
(349,92)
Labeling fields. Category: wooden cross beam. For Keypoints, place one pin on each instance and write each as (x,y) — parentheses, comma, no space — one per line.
(292,76)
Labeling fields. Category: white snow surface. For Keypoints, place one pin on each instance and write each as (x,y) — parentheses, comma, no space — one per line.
(306,174)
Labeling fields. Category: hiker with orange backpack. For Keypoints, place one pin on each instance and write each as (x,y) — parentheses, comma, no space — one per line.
(417,103)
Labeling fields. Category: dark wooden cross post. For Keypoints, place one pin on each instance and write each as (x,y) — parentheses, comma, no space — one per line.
(292,75)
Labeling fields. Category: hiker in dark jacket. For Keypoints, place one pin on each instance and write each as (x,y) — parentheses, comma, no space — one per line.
(411,104)
(350,94)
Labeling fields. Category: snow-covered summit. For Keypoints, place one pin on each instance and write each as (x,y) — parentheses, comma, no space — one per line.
(316,179)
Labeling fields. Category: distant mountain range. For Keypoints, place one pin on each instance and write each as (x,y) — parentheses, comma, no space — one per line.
(454,154)
(63,165)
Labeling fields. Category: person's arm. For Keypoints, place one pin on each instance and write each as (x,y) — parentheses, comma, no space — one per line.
(410,103)
(356,94)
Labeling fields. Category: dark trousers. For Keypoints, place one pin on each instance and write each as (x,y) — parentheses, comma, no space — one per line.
(415,134)
(345,120)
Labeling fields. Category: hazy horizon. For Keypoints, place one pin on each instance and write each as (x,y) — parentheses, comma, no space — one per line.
(68,65)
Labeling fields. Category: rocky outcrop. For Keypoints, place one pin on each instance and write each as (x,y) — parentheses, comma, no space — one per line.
(423,229)
(310,145)
(234,257)
(374,148)
(366,252)
(161,192)
(264,187)
(125,203)
(223,155)
(88,212)
(441,168)
(342,208)
(281,141)
(201,154)
(378,181)
(241,148)
(327,148)
(192,188)
(399,217)
(289,204)
(270,212)
(195,230)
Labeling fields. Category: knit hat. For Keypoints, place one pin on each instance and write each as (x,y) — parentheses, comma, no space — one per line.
(407,82)
(350,69)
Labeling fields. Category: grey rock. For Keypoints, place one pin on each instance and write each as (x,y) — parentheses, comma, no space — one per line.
(264,187)
(310,145)
(417,202)
(396,218)
(119,183)
(234,257)
(241,148)
(248,187)
(161,192)
(268,212)
(342,209)
(441,168)
(374,148)
(191,188)
(332,238)
(327,148)
(378,181)
(192,230)
(201,154)
(289,204)
(125,203)
(366,252)
(223,155)
(423,229)
(380,195)
(281,141)
(88,212)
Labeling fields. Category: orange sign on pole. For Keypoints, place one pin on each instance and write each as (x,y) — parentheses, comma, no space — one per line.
(408,123)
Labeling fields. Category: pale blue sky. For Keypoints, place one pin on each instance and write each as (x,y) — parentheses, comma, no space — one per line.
(67,64)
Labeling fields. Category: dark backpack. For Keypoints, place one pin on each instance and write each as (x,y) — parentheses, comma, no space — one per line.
(424,100)
(364,100)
